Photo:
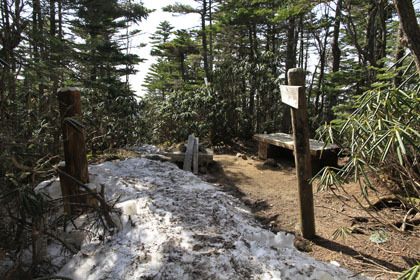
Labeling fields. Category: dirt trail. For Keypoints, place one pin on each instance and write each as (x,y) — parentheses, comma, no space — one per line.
(271,193)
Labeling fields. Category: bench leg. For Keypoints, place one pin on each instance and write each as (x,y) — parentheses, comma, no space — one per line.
(262,150)
(327,159)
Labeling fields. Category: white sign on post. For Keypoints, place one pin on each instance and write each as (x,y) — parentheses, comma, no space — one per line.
(290,95)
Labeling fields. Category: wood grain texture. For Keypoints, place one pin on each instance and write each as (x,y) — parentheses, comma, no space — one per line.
(296,77)
(195,156)
(74,145)
(189,153)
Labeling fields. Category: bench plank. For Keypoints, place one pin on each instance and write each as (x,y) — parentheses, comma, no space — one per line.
(285,140)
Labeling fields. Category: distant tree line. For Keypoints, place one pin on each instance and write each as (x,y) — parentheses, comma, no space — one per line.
(243,50)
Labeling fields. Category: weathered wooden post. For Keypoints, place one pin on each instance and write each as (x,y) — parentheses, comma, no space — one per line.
(294,96)
(75,158)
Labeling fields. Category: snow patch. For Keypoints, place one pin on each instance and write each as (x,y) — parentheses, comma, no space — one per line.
(175,226)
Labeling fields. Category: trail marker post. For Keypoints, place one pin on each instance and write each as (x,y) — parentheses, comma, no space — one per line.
(75,158)
(294,96)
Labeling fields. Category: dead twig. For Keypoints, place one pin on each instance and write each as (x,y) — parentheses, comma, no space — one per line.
(106,209)
(404,223)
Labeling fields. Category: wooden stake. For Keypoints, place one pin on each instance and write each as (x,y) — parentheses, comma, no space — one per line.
(296,77)
(189,153)
(195,156)
(74,147)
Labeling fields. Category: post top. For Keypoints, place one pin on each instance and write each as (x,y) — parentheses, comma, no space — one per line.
(68,89)
(296,77)
(300,70)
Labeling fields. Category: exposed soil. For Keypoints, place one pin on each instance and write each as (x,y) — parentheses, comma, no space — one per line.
(271,193)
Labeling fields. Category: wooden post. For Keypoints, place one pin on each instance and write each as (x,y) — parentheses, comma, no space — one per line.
(195,156)
(75,158)
(189,153)
(296,77)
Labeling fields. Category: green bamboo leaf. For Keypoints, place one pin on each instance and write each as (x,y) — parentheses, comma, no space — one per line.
(415,132)
(398,62)
(383,137)
(387,148)
(356,171)
(415,274)
(367,181)
(331,134)
(400,142)
(399,155)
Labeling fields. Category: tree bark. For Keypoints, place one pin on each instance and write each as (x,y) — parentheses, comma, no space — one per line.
(336,52)
(74,147)
(408,20)
(399,54)
(210,42)
(204,40)
(290,63)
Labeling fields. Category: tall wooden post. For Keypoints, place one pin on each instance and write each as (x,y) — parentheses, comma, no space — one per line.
(74,148)
(296,81)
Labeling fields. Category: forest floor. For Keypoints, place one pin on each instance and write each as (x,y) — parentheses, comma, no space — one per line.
(271,193)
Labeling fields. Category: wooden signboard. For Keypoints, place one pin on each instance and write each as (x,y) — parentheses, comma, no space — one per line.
(290,95)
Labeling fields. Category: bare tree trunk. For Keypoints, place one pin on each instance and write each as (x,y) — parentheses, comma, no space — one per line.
(252,92)
(399,54)
(322,60)
(204,40)
(301,43)
(210,41)
(336,52)
(408,20)
(290,63)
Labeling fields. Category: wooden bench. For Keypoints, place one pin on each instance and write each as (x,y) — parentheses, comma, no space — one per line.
(320,156)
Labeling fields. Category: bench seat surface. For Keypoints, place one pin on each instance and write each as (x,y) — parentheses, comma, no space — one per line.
(285,140)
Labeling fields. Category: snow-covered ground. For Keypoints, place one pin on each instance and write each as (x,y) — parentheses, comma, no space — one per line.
(175,226)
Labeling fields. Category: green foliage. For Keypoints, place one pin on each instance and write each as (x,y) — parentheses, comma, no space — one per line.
(111,110)
(382,138)
(411,274)
(48,45)
(342,232)
(180,114)
(177,66)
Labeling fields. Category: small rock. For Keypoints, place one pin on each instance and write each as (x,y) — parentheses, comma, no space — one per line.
(335,263)
(242,156)
(270,162)
(254,157)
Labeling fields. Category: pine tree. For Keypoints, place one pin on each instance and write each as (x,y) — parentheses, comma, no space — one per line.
(102,63)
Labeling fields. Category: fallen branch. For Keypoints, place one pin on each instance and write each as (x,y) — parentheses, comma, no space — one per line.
(394,199)
(106,209)
(404,223)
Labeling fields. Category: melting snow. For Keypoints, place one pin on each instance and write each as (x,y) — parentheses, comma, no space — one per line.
(175,226)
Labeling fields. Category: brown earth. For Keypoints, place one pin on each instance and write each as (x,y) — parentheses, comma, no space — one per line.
(271,194)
